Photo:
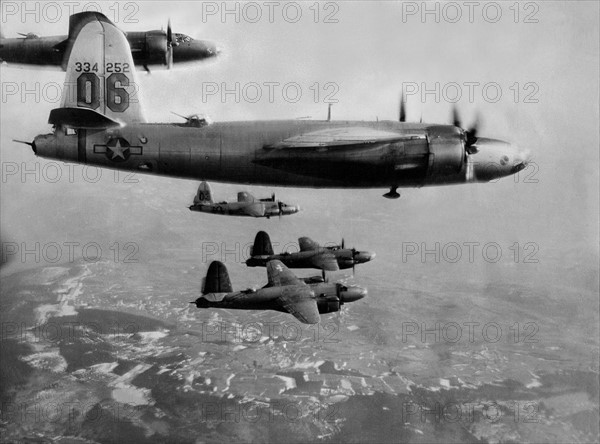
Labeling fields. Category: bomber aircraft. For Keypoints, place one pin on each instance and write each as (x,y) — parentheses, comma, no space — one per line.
(303,298)
(246,205)
(101,122)
(149,48)
(311,255)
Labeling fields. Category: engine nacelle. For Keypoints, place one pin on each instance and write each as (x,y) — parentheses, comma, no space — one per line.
(155,48)
(330,304)
(446,150)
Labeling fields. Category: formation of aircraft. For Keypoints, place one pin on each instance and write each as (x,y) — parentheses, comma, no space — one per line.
(311,255)
(150,48)
(103,124)
(303,298)
(246,205)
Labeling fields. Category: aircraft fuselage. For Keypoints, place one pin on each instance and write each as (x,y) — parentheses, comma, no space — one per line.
(305,259)
(147,49)
(247,152)
(329,297)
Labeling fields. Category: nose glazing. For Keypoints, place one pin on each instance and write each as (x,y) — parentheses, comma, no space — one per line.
(522,158)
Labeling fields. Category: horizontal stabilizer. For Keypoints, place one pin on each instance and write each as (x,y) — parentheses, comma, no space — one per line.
(80,118)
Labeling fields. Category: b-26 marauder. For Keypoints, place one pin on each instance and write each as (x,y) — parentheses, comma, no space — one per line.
(149,48)
(303,298)
(311,255)
(100,122)
(246,205)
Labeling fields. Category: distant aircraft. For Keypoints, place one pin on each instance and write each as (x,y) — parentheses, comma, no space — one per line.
(311,255)
(246,205)
(151,48)
(102,123)
(303,298)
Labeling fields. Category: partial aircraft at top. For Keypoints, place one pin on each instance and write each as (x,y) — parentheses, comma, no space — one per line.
(103,125)
(246,205)
(149,48)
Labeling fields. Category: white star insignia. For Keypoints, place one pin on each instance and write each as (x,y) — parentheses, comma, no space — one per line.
(118,150)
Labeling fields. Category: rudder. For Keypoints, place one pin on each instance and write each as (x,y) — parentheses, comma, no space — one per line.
(217,279)
(100,73)
(262,245)
(204,194)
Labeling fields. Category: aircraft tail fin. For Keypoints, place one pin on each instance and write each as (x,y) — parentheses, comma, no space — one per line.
(217,279)
(100,73)
(262,245)
(204,194)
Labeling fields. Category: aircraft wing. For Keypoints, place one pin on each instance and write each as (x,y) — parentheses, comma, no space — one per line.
(302,305)
(280,275)
(342,137)
(244,196)
(325,261)
(307,244)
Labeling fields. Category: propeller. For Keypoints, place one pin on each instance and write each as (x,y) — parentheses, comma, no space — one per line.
(353,260)
(402,114)
(170,45)
(280,206)
(470,134)
(354,253)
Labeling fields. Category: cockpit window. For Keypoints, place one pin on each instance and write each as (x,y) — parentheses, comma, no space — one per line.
(182,38)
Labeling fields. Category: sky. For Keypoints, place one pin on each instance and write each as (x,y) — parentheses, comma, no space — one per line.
(546,73)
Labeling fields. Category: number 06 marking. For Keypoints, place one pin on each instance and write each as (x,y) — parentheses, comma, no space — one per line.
(88,91)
